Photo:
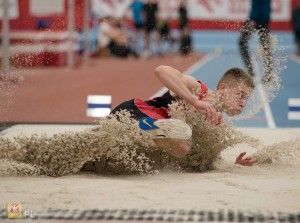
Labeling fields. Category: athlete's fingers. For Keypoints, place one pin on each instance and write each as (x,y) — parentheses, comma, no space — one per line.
(213,116)
(210,113)
(220,118)
(249,159)
(247,163)
(240,157)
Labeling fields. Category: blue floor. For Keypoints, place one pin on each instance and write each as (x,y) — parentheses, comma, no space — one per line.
(291,83)
(208,41)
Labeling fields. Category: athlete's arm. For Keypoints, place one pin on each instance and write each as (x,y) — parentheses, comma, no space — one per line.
(185,87)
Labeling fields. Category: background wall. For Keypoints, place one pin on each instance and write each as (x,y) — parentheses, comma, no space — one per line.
(204,14)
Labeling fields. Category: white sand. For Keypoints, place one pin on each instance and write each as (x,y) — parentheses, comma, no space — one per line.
(268,187)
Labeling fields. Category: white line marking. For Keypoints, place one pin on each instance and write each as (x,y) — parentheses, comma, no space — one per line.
(294,115)
(261,91)
(189,71)
(294,102)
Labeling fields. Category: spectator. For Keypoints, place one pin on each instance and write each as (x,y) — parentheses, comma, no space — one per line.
(296,26)
(150,14)
(185,32)
(183,15)
(163,34)
(258,21)
(80,42)
(185,42)
(138,20)
(114,38)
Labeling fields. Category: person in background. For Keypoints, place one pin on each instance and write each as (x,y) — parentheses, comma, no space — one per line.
(183,15)
(164,35)
(80,42)
(114,38)
(150,15)
(258,22)
(296,26)
(186,44)
(138,21)
(185,40)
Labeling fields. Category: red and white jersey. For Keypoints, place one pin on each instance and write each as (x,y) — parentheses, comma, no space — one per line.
(158,107)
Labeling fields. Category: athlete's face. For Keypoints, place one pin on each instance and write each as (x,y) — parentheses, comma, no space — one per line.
(235,98)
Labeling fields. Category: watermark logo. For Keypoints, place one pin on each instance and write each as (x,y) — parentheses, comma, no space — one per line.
(14,211)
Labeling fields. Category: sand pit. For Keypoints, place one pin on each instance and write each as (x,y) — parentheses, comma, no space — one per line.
(264,187)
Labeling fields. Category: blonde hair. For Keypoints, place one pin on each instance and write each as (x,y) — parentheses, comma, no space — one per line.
(234,75)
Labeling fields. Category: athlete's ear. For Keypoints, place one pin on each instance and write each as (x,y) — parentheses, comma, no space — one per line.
(222,86)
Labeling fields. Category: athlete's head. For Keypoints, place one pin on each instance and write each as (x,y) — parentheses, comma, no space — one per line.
(235,88)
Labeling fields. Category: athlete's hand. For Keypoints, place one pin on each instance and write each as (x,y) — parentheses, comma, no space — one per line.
(208,111)
(248,161)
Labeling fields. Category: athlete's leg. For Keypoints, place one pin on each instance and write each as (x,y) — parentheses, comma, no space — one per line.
(175,147)
(168,134)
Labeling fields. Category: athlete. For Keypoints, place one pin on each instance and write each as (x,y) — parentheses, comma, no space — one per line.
(230,96)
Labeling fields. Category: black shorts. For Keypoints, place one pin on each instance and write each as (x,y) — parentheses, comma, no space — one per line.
(156,108)
(140,109)
(297,36)
(149,27)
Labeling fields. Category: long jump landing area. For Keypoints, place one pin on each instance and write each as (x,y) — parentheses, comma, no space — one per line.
(51,101)
(231,193)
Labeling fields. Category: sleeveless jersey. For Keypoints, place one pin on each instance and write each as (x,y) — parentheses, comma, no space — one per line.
(158,107)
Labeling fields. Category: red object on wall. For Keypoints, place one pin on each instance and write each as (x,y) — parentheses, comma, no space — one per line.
(32,48)
(26,21)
